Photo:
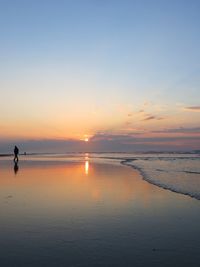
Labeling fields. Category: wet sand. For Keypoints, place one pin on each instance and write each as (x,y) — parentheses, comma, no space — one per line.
(88,213)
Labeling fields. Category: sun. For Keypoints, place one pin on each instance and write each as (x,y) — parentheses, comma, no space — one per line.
(86,138)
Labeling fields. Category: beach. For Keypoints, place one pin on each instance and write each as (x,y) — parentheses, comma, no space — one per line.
(91,210)
(99,133)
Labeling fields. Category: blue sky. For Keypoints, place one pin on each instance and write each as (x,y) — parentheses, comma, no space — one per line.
(93,62)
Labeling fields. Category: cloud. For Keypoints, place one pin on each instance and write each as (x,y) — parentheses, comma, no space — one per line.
(181,130)
(132,142)
(109,142)
(152,117)
(111,137)
(141,111)
(193,108)
(137,138)
(149,118)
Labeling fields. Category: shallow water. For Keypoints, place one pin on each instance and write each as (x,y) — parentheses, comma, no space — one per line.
(180,174)
(78,211)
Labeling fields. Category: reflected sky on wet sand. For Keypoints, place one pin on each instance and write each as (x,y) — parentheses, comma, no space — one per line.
(92,214)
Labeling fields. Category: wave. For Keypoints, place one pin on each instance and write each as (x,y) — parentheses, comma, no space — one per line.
(177,175)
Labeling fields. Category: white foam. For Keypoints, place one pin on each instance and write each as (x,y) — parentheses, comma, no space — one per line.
(181,175)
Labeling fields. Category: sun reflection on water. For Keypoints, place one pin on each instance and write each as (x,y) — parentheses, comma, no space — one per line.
(86,163)
(86,167)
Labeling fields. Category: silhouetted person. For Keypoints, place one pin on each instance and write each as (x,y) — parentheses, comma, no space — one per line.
(16,167)
(16,153)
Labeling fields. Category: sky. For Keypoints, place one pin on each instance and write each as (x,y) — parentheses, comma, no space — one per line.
(123,74)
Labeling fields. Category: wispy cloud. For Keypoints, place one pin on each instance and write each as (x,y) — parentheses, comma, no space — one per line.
(193,108)
(129,142)
(181,130)
(152,117)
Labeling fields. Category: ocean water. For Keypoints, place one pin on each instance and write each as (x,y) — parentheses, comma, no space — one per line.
(93,210)
(178,172)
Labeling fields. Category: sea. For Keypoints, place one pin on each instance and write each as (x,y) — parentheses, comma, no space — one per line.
(100,209)
(175,171)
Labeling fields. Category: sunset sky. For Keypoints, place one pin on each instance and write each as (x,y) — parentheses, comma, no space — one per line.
(124,74)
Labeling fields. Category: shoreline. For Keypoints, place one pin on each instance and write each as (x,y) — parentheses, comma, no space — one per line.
(145,178)
(129,162)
